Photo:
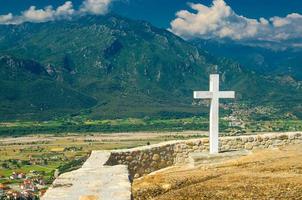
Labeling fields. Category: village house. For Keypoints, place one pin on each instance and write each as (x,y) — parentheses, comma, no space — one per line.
(16,175)
(21,176)
(28,194)
(234,122)
(2,188)
(39,181)
(28,185)
(12,194)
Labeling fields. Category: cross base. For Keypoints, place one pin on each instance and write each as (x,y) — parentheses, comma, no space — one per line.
(197,159)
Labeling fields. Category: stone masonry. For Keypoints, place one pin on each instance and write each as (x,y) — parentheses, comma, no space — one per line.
(147,159)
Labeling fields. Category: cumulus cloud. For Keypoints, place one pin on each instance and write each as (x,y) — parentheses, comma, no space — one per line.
(65,11)
(5,19)
(97,7)
(38,15)
(219,21)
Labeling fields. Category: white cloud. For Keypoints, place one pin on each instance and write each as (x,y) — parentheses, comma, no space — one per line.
(219,21)
(97,7)
(5,19)
(65,11)
(38,15)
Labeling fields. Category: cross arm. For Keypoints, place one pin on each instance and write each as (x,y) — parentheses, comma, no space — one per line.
(203,95)
(227,94)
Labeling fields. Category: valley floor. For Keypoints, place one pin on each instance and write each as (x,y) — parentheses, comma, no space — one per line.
(39,158)
(265,174)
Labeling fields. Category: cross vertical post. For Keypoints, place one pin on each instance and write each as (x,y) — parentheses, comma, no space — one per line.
(214,114)
(214,94)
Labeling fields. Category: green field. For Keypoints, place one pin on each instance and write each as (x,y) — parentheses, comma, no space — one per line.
(81,125)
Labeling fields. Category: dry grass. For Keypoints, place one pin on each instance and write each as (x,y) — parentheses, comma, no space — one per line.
(265,174)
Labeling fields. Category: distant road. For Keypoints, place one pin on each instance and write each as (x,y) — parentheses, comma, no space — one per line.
(102,136)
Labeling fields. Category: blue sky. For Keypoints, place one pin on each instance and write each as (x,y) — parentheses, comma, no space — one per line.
(268,23)
(161,12)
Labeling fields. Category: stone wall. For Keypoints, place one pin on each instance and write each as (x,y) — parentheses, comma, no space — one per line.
(144,160)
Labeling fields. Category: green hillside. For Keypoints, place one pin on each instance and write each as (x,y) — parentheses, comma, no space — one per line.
(112,67)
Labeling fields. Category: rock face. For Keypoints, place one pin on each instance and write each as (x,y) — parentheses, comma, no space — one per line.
(92,182)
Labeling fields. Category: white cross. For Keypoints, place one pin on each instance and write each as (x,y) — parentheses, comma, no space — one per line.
(214,94)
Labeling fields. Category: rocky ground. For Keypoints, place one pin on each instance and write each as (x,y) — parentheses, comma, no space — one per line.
(265,174)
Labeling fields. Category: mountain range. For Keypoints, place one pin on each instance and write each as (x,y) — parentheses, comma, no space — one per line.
(268,61)
(113,67)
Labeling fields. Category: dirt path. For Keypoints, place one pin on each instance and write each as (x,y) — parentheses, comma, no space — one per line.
(265,174)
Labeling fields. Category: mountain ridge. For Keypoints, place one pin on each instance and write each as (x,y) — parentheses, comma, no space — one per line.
(120,68)
(277,62)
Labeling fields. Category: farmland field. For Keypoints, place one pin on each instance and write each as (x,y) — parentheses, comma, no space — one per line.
(84,126)
(45,156)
